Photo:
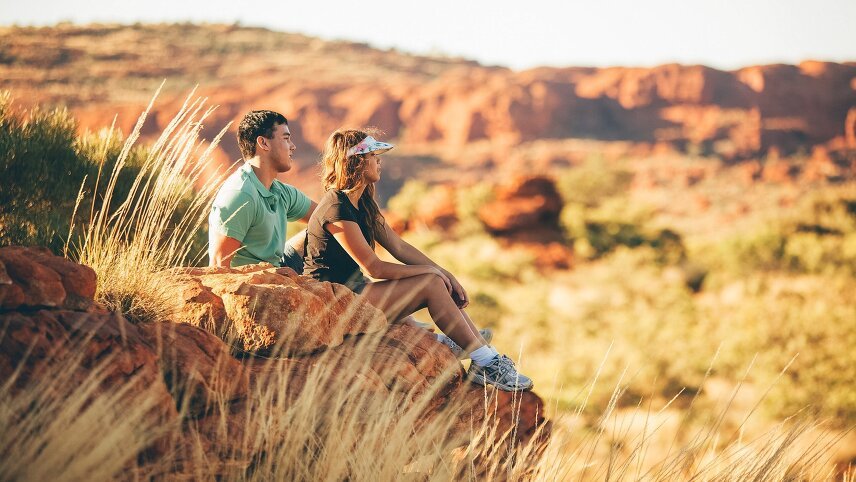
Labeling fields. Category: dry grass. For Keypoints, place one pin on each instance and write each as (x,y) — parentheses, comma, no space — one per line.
(155,227)
(56,429)
(59,427)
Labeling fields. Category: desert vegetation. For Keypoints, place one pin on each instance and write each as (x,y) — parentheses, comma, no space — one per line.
(661,356)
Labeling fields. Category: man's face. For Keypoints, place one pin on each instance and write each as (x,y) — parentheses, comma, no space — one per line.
(280,148)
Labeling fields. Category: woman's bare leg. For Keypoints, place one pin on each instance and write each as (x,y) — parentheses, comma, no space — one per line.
(399,298)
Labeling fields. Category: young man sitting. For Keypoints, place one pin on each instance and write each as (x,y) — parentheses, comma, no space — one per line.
(248,219)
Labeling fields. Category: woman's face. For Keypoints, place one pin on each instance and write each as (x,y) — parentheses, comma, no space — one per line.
(371,173)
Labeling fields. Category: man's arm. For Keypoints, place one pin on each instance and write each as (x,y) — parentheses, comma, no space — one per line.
(312,206)
(296,241)
(222,249)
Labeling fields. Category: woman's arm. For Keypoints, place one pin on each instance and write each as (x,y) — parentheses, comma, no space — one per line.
(407,254)
(349,236)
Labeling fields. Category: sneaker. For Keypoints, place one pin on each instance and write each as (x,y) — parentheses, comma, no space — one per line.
(459,352)
(501,373)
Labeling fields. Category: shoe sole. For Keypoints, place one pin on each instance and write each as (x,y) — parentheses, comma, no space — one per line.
(479,379)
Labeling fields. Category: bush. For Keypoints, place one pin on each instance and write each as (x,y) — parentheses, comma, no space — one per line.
(41,175)
(593,182)
(469,200)
(818,237)
(778,316)
(44,165)
(406,202)
(598,231)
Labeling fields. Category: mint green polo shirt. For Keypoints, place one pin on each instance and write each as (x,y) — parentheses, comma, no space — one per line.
(244,209)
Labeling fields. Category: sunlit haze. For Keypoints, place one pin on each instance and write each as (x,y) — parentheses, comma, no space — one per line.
(726,35)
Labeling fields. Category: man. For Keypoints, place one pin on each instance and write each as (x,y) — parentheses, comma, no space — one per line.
(248,219)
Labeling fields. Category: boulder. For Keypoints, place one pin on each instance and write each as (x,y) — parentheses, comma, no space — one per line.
(197,367)
(526,203)
(33,277)
(264,308)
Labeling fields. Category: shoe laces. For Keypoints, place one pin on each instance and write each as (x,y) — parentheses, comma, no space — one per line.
(504,365)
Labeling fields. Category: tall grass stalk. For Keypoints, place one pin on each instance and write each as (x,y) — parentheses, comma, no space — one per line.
(63,426)
(154,228)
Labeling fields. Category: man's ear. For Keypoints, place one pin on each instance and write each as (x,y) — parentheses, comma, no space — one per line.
(263,142)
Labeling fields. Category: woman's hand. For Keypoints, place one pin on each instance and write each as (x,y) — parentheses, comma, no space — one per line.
(443,276)
(459,294)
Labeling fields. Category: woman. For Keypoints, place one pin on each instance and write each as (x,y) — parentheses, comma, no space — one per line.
(339,247)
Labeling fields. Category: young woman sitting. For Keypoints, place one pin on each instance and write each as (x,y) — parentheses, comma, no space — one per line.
(339,247)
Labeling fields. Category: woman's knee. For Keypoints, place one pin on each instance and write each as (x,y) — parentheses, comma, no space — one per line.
(433,285)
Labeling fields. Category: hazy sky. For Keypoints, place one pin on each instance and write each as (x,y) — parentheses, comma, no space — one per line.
(721,33)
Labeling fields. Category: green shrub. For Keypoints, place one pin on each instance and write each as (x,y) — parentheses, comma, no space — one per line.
(41,175)
(43,163)
(819,236)
(778,316)
(592,182)
(626,301)
(47,166)
(469,200)
(406,201)
(598,231)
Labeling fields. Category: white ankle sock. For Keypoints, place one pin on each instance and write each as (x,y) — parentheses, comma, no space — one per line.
(483,355)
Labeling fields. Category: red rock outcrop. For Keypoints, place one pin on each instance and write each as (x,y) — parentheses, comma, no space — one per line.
(524,204)
(265,307)
(850,128)
(525,213)
(31,278)
(199,396)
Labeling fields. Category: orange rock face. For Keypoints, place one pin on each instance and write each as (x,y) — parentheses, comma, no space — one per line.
(266,308)
(32,278)
(321,86)
(525,204)
(850,128)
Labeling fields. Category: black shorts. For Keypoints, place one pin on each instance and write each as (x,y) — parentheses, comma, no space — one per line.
(357,286)
(292,259)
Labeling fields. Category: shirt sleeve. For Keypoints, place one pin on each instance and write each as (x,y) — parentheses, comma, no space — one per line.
(232,215)
(339,211)
(297,202)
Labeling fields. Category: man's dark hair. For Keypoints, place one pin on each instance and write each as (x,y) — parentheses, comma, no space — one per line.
(257,123)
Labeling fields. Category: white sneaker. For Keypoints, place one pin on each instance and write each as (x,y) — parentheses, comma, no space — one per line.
(501,373)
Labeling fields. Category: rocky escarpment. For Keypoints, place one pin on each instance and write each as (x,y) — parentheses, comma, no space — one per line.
(322,85)
(187,382)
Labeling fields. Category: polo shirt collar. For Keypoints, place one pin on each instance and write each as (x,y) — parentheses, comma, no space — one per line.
(251,175)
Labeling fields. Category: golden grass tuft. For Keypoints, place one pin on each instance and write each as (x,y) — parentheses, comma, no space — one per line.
(154,228)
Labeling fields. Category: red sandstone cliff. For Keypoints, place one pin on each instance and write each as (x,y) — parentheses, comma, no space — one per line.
(101,70)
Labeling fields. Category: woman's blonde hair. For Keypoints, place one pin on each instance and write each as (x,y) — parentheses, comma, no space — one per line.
(345,173)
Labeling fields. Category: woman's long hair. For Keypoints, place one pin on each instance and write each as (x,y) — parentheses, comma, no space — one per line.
(345,173)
